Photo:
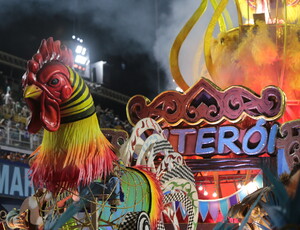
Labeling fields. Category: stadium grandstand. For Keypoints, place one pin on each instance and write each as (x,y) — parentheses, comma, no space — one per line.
(16,143)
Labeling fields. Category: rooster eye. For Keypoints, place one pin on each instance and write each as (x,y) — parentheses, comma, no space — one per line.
(54,81)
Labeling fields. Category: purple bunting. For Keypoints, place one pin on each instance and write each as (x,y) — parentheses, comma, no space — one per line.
(177,203)
(213,208)
(233,200)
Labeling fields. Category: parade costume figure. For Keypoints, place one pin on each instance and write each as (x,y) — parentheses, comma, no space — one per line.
(74,152)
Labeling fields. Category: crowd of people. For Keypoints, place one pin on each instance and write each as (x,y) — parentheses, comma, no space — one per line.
(14,115)
(13,156)
(108,119)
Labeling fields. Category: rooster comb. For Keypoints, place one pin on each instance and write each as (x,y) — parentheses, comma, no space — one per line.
(48,51)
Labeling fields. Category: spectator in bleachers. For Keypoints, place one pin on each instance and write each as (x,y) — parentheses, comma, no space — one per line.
(17,108)
(14,156)
(14,116)
(2,135)
(25,111)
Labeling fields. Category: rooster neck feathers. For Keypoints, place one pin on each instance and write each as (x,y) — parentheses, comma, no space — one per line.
(78,152)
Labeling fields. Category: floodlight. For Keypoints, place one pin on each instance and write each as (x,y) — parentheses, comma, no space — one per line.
(83,52)
(78,49)
(80,59)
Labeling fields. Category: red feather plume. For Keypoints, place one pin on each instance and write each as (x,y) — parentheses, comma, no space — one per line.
(48,51)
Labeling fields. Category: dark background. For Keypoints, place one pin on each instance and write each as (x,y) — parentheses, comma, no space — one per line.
(134,37)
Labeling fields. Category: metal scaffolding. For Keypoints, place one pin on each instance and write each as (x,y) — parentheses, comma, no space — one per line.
(19,63)
(13,61)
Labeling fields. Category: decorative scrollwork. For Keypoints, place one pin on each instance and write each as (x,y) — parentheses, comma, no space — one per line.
(205,102)
(290,142)
(3,215)
(116,137)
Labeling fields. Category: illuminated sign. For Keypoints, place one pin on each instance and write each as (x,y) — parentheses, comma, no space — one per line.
(14,180)
(205,120)
(254,140)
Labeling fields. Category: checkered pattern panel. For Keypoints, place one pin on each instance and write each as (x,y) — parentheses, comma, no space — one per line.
(129,221)
(135,221)
(181,197)
(160,226)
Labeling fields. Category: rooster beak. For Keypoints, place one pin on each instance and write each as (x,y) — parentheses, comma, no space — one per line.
(32,91)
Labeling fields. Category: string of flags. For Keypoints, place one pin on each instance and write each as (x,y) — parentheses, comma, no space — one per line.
(222,205)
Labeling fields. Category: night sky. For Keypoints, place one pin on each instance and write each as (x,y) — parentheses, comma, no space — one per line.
(134,37)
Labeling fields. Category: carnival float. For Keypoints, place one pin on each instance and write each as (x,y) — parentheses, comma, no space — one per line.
(243,120)
(80,181)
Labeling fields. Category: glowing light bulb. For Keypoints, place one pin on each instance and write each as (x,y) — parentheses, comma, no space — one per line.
(178,89)
(251,187)
(239,185)
(200,188)
(214,194)
(205,193)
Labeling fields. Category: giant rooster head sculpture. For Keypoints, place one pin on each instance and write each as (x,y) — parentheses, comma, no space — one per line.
(47,84)
(73,151)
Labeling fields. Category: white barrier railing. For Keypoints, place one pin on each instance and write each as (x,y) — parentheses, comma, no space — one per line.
(19,138)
